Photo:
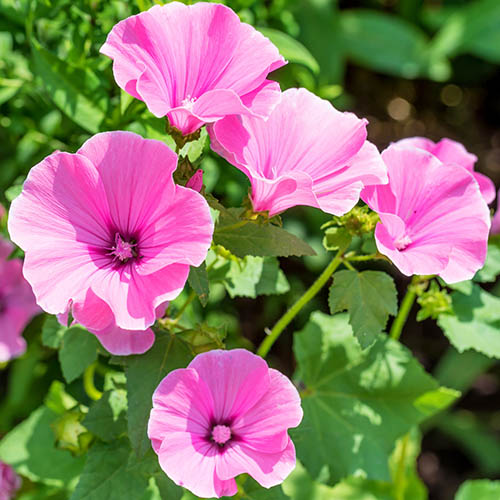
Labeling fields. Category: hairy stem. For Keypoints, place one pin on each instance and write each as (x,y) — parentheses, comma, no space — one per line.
(404,309)
(284,321)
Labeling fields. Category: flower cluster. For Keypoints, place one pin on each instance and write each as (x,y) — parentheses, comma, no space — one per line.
(109,237)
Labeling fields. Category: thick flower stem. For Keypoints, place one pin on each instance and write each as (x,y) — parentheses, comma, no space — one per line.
(284,321)
(404,309)
(88,383)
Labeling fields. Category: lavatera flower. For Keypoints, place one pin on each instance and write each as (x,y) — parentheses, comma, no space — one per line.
(453,153)
(306,153)
(226,414)
(10,482)
(433,218)
(17,304)
(108,234)
(194,63)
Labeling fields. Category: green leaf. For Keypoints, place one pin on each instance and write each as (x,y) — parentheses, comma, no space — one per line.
(476,322)
(357,403)
(144,373)
(491,268)
(52,332)
(107,475)
(30,449)
(473,29)
(389,44)
(300,486)
(250,277)
(291,49)
(78,351)
(198,281)
(369,297)
(243,237)
(63,83)
(480,489)
(107,417)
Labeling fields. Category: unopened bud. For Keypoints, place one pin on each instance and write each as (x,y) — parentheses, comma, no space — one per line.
(196,182)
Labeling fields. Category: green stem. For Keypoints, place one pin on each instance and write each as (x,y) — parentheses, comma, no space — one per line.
(283,322)
(190,299)
(88,383)
(400,480)
(404,309)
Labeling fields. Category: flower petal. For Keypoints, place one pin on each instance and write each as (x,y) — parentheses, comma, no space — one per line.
(237,379)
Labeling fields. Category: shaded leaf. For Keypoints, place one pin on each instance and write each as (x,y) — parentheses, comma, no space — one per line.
(78,351)
(144,373)
(107,417)
(52,332)
(198,281)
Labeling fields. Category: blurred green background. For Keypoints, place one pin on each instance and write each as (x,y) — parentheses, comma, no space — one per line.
(412,67)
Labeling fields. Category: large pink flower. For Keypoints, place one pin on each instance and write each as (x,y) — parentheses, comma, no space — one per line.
(452,152)
(226,414)
(306,153)
(433,219)
(194,64)
(17,305)
(10,482)
(108,233)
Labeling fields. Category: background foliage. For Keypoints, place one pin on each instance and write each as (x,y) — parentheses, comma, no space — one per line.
(413,67)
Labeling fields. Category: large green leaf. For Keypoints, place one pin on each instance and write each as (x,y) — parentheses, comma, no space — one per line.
(369,297)
(30,449)
(64,84)
(357,403)
(473,29)
(481,489)
(389,44)
(291,49)
(107,417)
(475,323)
(78,351)
(144,373)
(250,276)
(107,475)
(244,237)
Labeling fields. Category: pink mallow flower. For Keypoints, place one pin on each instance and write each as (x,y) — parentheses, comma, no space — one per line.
(306,153)
(452,152)
(194,63)
(10,482)
(226,414)
(433,219)
(495,221)
(17,305)
(108,235)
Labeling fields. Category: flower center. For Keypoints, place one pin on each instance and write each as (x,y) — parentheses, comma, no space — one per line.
(221,434)
(123,250)
(403,242)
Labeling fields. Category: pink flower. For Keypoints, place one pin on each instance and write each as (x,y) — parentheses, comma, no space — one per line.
(306,153)
(452,152)
(194,64)
(10,482)
(108,234)
(226,414)
(495,222)
(17,305)
(433,219)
